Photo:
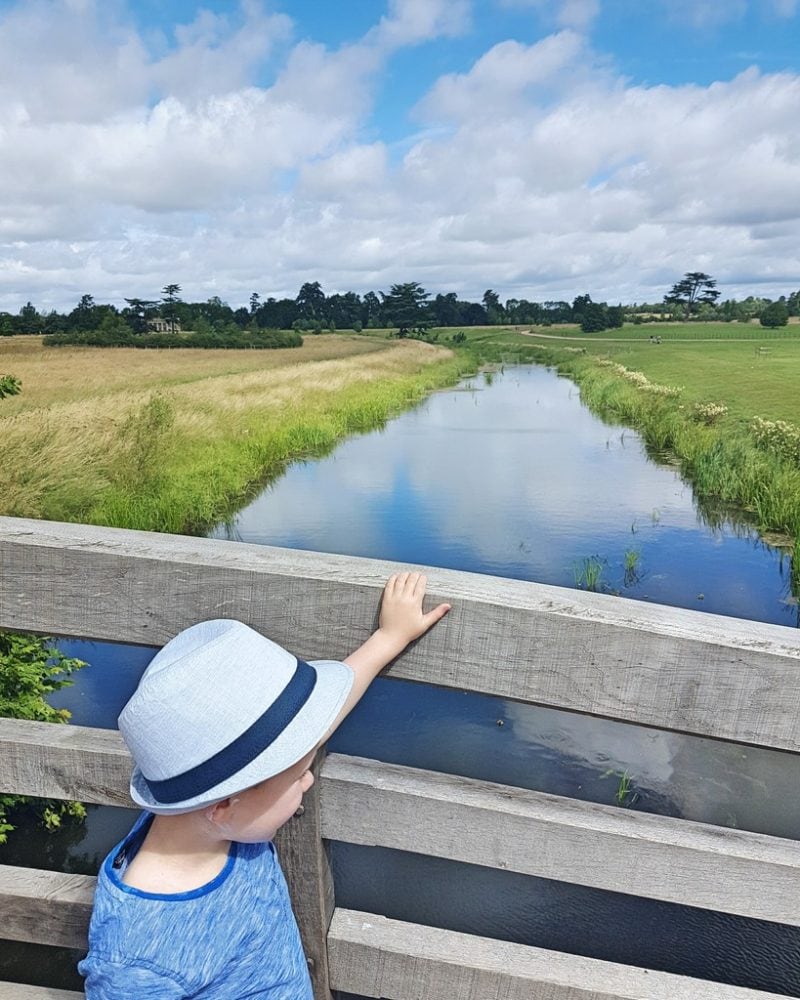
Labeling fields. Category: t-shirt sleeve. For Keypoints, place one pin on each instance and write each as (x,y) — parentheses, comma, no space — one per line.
(120,981)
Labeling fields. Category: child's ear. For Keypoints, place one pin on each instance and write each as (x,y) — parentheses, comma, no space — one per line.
(219,813)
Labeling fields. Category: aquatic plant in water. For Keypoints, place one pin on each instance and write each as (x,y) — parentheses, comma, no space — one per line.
(632,561)
(589,573)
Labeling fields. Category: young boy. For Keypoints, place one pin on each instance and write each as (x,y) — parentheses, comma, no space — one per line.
(223,729)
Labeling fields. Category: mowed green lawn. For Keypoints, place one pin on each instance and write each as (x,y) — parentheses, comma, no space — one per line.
(753,377)
(749,383)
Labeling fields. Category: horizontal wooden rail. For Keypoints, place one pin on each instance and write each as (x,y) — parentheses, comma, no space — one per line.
(20,991)
(64,762)
(368,802)
(607,656)
(377,957)
(384,805)
(45,907)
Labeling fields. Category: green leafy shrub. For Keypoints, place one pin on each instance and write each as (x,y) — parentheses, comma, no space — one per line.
(708,413)
(230,337)
(9,386)
(777,436)
(30,669)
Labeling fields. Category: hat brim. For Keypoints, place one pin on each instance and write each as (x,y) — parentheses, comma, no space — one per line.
(307,729)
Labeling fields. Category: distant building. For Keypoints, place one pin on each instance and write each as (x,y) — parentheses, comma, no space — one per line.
(163,326)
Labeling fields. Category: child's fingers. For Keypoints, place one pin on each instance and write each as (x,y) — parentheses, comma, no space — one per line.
(420,582)
(432,617)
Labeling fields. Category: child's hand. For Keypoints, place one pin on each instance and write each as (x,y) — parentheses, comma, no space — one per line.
(401,621)
(402,618)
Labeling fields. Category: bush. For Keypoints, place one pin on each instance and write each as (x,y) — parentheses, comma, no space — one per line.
(30,669)
(228,337)
(776,314)
(708,413)
(777,436)
(9,386)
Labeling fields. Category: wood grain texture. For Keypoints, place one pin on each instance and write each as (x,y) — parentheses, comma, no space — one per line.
(377,957)
(45,907)
(20,991)
(425,812)
(64,762)
(304,859)
(602,655)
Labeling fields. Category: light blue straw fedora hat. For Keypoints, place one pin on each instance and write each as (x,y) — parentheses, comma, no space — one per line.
(221,708)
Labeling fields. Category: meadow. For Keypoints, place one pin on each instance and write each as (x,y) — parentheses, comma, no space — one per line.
(173,440)
(724,405)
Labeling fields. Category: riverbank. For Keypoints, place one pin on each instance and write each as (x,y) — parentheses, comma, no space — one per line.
(725,407)
(174,440)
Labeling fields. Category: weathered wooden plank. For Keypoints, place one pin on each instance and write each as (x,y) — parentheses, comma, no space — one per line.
(377,957)
(376,804)
(590,653)
(21,991)
(304,859)
(64,762)
(45,907)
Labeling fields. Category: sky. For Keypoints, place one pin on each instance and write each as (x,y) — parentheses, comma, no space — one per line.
(541,148)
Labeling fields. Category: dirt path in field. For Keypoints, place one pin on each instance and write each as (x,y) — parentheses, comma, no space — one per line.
(664,340)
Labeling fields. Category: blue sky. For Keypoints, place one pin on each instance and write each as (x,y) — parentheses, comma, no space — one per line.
(539,147)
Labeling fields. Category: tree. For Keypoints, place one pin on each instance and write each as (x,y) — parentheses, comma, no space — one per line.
(494,310)
(776,314)
(579,306)
(594,318)
(29,319)
(255,302)
(445,309)
(169,308)
(276,314)
(311,301)
(694,289)
(371,311)
(405,307)
(138,312)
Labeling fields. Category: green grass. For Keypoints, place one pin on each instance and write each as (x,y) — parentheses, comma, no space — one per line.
(589,573)
(694,395)
(196,482)
(166,444)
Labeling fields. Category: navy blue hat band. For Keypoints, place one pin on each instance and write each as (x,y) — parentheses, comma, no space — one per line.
(245,748)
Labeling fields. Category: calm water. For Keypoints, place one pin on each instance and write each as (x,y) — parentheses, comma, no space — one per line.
(517,478)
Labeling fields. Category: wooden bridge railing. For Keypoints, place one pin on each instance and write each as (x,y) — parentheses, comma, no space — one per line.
(672,669)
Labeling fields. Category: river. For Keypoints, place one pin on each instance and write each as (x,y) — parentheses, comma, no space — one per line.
(509,474)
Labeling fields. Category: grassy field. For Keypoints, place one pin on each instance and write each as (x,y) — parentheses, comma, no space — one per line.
(757,377)
(172,440)
(695,396)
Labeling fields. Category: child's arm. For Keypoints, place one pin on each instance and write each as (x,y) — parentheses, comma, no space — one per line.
(401,621)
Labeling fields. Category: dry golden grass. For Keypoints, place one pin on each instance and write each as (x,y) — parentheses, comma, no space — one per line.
(60,374)
(66,442)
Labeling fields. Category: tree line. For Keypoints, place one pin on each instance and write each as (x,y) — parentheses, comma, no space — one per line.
(406,307)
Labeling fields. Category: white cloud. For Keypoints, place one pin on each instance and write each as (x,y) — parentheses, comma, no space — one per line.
(537,171)
(500,79)
(412,21)
(577,14)
(712,13)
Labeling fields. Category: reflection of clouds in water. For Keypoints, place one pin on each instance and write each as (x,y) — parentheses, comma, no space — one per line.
(503,490)
(515,479)
(708,780)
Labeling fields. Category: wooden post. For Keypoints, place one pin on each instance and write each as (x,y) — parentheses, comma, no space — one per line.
(304,859)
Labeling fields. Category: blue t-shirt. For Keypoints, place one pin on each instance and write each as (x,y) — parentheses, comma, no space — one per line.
(232,938)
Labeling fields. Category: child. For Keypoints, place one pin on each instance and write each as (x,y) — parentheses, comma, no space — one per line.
(223,729)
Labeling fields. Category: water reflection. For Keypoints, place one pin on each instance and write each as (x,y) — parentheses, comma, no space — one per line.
(520,480)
